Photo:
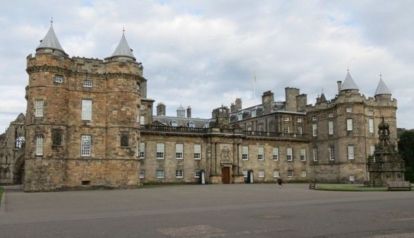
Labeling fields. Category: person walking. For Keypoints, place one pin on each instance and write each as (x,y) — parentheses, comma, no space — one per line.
(280,182)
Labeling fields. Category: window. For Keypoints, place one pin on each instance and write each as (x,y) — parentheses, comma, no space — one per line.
(245,173)
(86,110)
(303,174)
(276,174)
(286,119)
(351,155)
(191,124)
(349,126)
(275,153)
(86,145)
(245,153)
(314,129)
(314,118)
(179,148)
(197,174)
(332,153)
(197,152)
(299,120)
(179,173)
(372,150)
(330,128)
(300,130)
(124,139)
(289,154)
(349,109)
(260,153)
(142,120)
(159,174)
(174,123)
(142,173)
(39,145)
(315,154)
(351,178)
(56,137)
(330,115)
(58,79)
(39,108)
(20,142)
(286,130)
(290,173)
(371,125)
(240,116)
(141,151)
(303,154)
(87,83)
(261,174)
(253,113)
(160,151)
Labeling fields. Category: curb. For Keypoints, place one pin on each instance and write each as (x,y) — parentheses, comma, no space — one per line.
(3,203)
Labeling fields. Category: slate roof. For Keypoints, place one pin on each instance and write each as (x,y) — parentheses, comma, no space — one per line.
(349,83)
(123,49)
(382,88)
(50,41)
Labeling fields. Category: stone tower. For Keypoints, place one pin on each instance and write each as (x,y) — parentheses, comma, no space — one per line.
(81,119)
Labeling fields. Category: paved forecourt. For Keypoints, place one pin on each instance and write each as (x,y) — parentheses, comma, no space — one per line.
(257,210)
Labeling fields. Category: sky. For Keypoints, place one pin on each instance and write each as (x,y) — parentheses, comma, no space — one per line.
(204,54)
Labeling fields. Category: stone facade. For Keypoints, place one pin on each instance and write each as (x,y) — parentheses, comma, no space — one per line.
(89,123)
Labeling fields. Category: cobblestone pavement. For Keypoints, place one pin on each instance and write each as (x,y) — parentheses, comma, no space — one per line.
(251,210)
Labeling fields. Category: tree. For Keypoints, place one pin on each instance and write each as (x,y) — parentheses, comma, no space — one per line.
(406,150)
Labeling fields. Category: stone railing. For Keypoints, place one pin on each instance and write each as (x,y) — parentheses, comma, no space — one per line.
(172,129)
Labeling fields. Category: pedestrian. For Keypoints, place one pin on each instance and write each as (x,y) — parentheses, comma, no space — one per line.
(280,182)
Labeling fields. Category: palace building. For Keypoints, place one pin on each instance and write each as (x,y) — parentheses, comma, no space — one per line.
(89,123)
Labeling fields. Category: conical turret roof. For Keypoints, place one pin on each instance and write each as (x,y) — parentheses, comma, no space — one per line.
(382,88)
(123,49)
(349,83)
(50,41)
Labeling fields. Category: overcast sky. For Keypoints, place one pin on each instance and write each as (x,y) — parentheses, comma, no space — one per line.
(207,53)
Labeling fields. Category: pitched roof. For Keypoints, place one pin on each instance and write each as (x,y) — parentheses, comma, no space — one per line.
(50,41)
(382,88)
(123,49)
(349,83)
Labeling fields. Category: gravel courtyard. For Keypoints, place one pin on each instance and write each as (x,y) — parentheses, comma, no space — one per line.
(247,210)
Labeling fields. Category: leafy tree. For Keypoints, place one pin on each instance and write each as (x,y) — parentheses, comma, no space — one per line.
(406,149)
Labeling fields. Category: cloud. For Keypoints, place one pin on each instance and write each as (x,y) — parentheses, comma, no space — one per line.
(206,53)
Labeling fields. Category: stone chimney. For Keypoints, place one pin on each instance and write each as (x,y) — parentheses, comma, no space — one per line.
(181,111)
(161,109)
(301,101)
(238,104)
(188,112)
(290,96)
(267,101)
(339,83)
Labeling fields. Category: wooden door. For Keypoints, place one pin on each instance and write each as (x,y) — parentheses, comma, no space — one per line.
(225,175)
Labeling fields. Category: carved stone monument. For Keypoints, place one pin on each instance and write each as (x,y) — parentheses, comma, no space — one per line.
(386,166)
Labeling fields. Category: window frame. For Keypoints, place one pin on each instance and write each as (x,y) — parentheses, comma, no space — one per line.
(86,109)
(158,153)
(86,149)
(197,152)
(39,106)
(179,152)
(39,146)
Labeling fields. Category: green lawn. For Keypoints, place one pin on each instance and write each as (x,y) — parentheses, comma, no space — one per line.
(348,187)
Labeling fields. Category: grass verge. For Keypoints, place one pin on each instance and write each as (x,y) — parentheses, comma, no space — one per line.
(349,188)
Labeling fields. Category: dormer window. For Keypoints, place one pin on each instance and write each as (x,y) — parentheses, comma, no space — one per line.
(174,123)
(191,124)
(254,113)
(240,116)
(87,83)
(58,79)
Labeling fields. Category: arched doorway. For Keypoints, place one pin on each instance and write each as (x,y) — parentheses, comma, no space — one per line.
(250,176)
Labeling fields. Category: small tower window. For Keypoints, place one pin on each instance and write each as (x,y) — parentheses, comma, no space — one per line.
(56,137)
(39,104)
(58,79)
(86,145)
(87,83)
(39,145)
(124,139)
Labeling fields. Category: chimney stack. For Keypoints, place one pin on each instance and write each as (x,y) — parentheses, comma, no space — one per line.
(160,109)
(188,112)
(339,83)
